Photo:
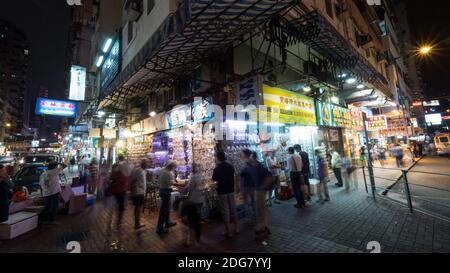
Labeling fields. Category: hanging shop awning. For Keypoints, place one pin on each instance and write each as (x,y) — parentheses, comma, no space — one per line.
(315,31)
(187,37)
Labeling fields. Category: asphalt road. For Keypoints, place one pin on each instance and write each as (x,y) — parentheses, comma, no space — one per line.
(429,183)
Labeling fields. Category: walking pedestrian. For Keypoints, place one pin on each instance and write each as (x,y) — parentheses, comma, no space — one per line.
(51,189)
(248,180)
(6,187)
(262,177)
(93,176)
(118,190)
(294,167)
(306,189)
(72,164)
(138,186)
(224,174)
(397,152)
(322,171)
(274,167)
(336,165)
(166,179)
(102,180)
(191,208)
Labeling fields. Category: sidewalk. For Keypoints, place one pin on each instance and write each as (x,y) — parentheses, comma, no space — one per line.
(346,224)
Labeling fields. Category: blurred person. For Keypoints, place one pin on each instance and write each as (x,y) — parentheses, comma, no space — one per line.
(274,167)
(138,184)
(124,166)
(103,179)
(191,208)
(305,171)
(322,171)
(166,179)
(349,173)
(381,155)
(294,167)
(336,165)
(118,190)
(93,176)
(262,178)
(224,175)
(248,180)
(51,189)
(397,152)
(6,187)
(72,163)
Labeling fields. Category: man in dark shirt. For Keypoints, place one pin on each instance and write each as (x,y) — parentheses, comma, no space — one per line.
(224,176)
(305,170)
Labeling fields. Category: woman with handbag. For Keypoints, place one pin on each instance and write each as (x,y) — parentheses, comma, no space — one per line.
(6,187)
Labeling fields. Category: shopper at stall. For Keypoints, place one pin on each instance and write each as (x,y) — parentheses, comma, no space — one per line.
(306,189)
(224,174)
(166,179)
(322,171)
(6,187)
(51,189)
(138,186)
(93,176)
(263,182)
(191,208)
(294,167)
(118,190)
(274,167)
(248,180)
(336,165)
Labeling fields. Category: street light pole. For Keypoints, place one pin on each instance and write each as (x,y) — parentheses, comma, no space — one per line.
(369,157)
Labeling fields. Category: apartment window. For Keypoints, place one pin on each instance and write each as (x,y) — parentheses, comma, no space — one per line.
(130,32)
(329,7)
(150,6)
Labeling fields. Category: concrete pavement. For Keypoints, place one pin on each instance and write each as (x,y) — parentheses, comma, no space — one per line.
(344,225)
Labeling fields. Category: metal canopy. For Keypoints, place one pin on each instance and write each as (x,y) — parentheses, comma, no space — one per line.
(194,32)
(314,30)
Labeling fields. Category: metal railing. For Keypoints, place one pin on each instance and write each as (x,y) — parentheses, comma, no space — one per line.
(416,196)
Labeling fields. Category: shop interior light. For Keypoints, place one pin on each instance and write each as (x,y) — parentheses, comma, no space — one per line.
(307,89)
(120,144)
(342,75)
(107,45)
(361,86)
(152,113)
(335,99)
(351,81)
(101,113)
(274,124)
(100,60)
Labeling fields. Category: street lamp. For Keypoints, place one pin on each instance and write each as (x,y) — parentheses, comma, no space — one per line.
(425,50)
(8,125)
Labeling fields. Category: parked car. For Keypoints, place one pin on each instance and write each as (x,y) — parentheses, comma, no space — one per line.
(442,142)
(41,158)
(7,160)
(28,176)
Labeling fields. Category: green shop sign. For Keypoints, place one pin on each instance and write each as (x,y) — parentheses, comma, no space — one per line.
(333,115)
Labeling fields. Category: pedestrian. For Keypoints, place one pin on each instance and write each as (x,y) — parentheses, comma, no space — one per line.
(6,187)
(274,167)
(191,208)
(51,190)
(248,181)
(102,180)
(93,176)
(336,165)
(124,166)
(138,187)
(397,152)
(166,179)
(294,167)
(224,175)
(382,155)
(118,190)
(322,171)
(72,164)
(263,182)
(306,189)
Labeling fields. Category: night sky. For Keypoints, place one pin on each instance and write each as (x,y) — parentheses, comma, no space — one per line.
(46,23)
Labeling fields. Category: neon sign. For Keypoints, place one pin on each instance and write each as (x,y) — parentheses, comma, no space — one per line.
(56,108)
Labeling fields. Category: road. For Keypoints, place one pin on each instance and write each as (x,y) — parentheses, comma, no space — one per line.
(429,182)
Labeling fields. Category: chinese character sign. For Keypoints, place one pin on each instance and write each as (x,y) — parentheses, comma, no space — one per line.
(56,108)
(376,123)
(77,83)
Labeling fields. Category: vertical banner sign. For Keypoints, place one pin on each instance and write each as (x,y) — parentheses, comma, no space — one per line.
(248,92)
(111,66)
(77,83)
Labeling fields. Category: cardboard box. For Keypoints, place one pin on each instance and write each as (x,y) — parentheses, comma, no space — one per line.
(16,207)
(35,209)
(77,203)
(18,224)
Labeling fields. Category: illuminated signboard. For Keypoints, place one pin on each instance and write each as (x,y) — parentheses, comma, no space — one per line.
(433,119)
(77,83)
(417,104)
(111,65)
(376,123)
(180,116)
(445,117)
(333,115)
(431,103)
(56,108)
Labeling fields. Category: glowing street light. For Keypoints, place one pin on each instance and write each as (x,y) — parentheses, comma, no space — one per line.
(8,125)
(425,50)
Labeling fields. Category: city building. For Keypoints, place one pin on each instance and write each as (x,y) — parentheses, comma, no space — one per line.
(14,65)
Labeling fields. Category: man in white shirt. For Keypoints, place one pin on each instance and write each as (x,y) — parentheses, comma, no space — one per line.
(294,167)
(274,167)
(51,189)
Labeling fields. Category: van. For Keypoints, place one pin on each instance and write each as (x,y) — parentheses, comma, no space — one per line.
(442,142)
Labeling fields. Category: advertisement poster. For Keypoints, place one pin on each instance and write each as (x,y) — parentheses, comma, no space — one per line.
(56,108)
(289,107)
(77,83)
(333,115)
(376,123)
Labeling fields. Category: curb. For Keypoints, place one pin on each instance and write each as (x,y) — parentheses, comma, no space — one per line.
(385,192)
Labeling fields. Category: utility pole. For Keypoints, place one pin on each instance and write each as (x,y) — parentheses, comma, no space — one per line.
(369,157)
